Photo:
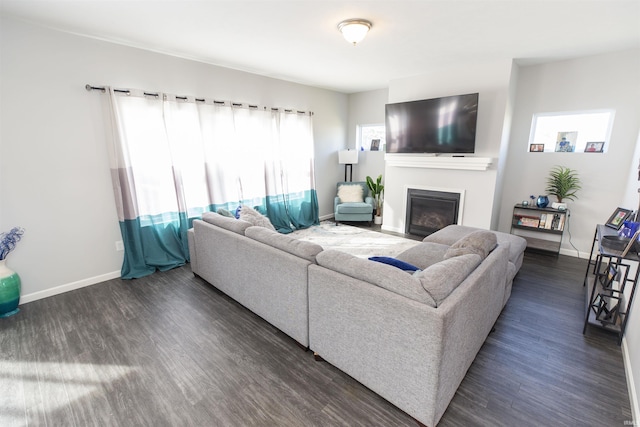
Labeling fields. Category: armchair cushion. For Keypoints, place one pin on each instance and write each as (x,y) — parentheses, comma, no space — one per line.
(350,193)
(354,208)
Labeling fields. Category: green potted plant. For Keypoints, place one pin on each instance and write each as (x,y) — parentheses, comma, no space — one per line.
(563,183)
(377,189)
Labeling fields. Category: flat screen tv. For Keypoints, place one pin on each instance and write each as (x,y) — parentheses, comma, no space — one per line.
(439,125)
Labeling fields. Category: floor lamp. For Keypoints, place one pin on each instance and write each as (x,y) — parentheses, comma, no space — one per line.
(348,158)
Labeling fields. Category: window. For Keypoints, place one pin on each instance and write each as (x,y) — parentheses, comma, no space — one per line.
(578,132)
(369,133)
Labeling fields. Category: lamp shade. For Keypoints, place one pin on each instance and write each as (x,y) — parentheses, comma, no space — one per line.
(348,157)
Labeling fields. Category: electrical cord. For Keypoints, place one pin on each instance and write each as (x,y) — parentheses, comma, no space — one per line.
(569,232)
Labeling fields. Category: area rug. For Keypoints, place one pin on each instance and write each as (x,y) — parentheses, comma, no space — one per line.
(353,240)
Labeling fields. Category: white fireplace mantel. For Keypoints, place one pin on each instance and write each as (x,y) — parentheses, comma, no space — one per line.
(437,162)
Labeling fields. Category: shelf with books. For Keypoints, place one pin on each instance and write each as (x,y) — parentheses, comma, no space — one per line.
(541,227)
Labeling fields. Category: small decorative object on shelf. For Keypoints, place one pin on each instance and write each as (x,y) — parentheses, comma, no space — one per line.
(618,217)
(628,228)
(542,201)
(9,280)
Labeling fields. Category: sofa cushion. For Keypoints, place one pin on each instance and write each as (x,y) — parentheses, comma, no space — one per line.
(424,254)
(251,215)
(300,248)
(479,242)
(452,233)
(231,224)
(404,266)
(442,278)
(382,275)
(351,193)
(226,212)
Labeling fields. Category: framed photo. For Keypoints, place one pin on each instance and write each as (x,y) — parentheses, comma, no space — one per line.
(536,148)
(594,147)
(375,145)
(566,142)
(618,217)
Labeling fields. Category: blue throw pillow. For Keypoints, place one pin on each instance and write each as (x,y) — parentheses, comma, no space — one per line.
(394,262)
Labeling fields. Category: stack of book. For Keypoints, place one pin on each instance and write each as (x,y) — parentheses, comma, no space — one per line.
(552,221)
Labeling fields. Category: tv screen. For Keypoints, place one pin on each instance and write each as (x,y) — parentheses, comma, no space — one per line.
(439,125)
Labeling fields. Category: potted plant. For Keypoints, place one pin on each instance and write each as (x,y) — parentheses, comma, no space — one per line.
(376,189)
(563,183)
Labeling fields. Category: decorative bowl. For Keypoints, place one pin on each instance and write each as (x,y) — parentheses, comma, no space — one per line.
(617,243)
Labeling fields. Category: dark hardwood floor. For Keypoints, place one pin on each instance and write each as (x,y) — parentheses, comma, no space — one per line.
(169,350)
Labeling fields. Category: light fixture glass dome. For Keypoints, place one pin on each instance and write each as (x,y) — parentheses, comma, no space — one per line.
(354,30)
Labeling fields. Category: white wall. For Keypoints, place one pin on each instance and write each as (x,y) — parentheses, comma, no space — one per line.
(366,108)
(604,81)
(492,81)
(54,173)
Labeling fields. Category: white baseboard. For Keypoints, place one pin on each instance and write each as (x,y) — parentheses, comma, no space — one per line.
(392,229)
(631,385)
(574,253)
(68,287)
(326,217)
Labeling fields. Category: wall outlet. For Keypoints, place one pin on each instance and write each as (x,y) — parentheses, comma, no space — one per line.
(119,245)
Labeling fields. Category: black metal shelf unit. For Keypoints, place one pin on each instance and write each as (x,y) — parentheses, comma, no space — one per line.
(542,228)
(608,278)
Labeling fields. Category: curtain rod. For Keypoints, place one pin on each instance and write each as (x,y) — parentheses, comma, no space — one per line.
(103,89)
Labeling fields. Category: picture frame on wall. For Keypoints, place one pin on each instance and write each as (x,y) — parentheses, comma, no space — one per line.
(375,145)
(536,148)
(618,217)
(594,147)
(566,142)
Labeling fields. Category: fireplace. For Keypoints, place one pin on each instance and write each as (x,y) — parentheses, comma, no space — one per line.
(428,211)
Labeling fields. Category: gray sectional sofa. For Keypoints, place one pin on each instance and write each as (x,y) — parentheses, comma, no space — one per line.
(263,270)
(410,337)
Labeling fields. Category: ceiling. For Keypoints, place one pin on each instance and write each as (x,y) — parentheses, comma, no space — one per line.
(298,40)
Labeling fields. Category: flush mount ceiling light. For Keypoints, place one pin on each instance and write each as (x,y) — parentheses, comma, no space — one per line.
(354,30)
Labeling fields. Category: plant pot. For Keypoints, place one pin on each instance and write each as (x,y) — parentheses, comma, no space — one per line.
(377,219)
(9,291)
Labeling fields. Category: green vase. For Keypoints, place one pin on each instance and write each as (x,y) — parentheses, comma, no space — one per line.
(9,291)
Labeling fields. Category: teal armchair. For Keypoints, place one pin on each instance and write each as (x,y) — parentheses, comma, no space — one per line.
(351,210)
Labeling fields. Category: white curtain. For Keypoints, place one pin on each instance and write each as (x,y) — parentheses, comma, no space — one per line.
(173,159)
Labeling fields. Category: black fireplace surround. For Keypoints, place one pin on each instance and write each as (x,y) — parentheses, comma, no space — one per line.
(429,211)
